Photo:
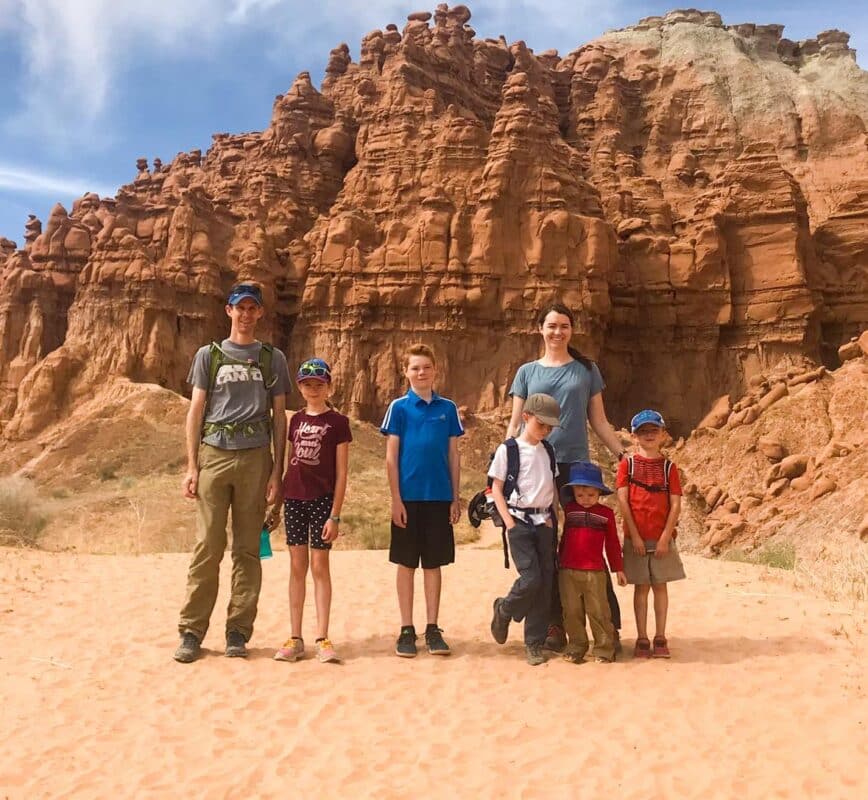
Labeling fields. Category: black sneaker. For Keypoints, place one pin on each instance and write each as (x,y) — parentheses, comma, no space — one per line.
(534,654)
(556,639)
(406,647)
(499,622)
(434,641)
(236,645)
(190,648)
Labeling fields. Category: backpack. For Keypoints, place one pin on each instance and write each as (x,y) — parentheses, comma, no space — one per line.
(667,465)
(482,506)
(218,358)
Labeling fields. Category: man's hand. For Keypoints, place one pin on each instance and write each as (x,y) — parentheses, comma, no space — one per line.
(273,489)
(330,530)
(662,547)
(190,484)
(622,578)
(399,514)
(455,511)
(638,545)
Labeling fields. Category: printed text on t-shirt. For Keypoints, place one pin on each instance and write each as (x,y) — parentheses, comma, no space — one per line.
(307,443)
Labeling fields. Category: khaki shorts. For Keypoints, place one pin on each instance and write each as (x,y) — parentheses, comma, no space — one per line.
(646,569)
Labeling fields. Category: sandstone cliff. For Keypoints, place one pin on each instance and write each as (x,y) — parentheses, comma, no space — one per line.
(694,190)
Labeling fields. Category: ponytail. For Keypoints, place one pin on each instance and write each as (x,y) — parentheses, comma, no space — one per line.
(560,308)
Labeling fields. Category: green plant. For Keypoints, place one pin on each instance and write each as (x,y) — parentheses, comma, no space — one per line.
(22,517)
(779,555)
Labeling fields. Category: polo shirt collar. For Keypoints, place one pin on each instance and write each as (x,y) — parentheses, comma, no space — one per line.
(416,399)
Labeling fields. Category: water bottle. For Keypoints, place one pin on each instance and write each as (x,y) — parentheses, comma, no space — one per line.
(265,543)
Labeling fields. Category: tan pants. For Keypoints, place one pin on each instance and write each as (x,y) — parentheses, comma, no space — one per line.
(233,479)
(583,593)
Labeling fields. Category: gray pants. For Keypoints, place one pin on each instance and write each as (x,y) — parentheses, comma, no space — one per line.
(529,599)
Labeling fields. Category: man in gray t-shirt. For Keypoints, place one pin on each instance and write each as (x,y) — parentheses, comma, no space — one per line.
(236,415)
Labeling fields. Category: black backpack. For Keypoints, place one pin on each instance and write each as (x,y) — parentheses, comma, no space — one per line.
(482,507)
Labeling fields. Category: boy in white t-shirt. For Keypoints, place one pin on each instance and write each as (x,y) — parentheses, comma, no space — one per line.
(527,515)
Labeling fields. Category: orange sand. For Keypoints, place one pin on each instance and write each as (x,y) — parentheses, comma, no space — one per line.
(765,696)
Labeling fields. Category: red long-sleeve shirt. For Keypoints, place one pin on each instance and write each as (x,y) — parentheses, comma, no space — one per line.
(586,531)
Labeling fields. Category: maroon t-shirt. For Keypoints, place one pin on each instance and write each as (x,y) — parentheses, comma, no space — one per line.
(313,457)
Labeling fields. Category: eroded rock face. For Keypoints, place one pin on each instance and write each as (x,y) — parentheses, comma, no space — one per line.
(684,185)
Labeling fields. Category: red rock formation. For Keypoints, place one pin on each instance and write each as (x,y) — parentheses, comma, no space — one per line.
(686,186)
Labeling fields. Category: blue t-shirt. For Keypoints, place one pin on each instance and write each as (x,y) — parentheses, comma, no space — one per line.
(572,385)
(423,456)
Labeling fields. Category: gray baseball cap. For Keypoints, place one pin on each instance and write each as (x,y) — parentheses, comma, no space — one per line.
(545,408)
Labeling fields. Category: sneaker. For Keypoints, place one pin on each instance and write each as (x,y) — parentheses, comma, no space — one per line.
(601,660)
(434,641)
(190,648)
(556,639)
(661,648)
(642,649)
(406,646)
(618,646)
(326,653)
(534,655)
(499,622)
(292,650)
(573,658)
(236,645)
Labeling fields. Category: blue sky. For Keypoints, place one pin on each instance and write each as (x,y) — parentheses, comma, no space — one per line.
(88,86)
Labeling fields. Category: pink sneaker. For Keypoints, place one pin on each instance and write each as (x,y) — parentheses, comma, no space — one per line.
(326,653)
(292,650)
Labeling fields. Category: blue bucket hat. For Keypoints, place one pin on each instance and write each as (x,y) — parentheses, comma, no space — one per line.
(241,290)
(584,473)
(647,417)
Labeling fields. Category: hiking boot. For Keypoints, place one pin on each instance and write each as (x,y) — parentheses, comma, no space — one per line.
(499,621)
(406,646)
(534,655)
(434,641)
(236,645)
(618,645)
(556,639)
(326,653)
(190,648)
(292,650)
(574,657)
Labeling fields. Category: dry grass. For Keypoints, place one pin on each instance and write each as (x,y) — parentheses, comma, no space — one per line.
(23,515)
(778,555)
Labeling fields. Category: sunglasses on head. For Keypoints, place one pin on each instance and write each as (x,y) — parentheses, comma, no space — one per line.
(314,370)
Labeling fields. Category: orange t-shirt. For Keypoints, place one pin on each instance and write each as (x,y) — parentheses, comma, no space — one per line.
(650,509)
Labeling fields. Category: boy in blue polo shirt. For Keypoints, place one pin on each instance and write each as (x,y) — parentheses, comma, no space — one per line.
(423,467)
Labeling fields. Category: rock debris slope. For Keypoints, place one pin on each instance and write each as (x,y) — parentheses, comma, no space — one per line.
(695,190)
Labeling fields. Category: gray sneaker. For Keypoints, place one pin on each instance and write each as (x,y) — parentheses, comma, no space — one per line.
(499,622)
(236,645)
(534,653)
(190,648)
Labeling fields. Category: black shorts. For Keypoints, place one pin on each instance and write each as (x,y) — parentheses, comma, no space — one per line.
(304,520)
(428,537)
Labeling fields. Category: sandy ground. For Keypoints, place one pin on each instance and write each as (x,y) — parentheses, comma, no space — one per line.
(765,696)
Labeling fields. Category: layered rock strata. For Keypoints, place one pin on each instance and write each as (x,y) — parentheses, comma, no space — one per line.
(693,190)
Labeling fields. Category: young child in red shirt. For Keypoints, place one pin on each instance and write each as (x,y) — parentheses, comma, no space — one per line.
(588,527)
(649,494)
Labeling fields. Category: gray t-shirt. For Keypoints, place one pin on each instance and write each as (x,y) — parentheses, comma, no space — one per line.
(239,394)
(572,385)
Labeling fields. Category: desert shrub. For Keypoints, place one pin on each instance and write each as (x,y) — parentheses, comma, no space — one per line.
(779,555)
(22,517)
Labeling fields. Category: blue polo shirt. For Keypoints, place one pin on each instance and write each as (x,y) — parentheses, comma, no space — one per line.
(424,430)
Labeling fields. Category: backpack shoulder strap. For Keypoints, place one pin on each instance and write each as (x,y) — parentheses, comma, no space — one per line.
(667,465)
(551,451)
(629,469)
(512,466)
(266,361)
(215,361)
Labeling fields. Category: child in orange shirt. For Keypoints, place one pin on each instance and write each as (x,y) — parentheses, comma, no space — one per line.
(649,494)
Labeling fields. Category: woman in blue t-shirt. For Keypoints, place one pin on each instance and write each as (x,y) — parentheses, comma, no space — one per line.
(576,383)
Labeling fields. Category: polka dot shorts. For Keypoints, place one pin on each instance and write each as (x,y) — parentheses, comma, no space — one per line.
(304,521)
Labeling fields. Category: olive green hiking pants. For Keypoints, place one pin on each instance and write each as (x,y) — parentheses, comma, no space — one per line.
(233,479)
(583,593)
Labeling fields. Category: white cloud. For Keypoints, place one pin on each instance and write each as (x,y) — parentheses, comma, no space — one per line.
(25,180)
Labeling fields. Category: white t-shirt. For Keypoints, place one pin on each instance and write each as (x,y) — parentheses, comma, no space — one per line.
(535,487)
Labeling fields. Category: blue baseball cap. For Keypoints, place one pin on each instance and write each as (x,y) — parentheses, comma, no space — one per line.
(647,417)
(314,369)
(584,473)
(241,290)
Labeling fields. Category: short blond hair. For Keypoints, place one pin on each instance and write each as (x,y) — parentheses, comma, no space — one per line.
(419,349)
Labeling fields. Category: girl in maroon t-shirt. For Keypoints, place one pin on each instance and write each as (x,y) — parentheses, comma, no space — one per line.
(313,488)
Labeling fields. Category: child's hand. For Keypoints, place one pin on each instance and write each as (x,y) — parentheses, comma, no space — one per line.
(455,511)
(622,578)
(399,514)
(330,530)
(662,547)
(638,545)
(272,518)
